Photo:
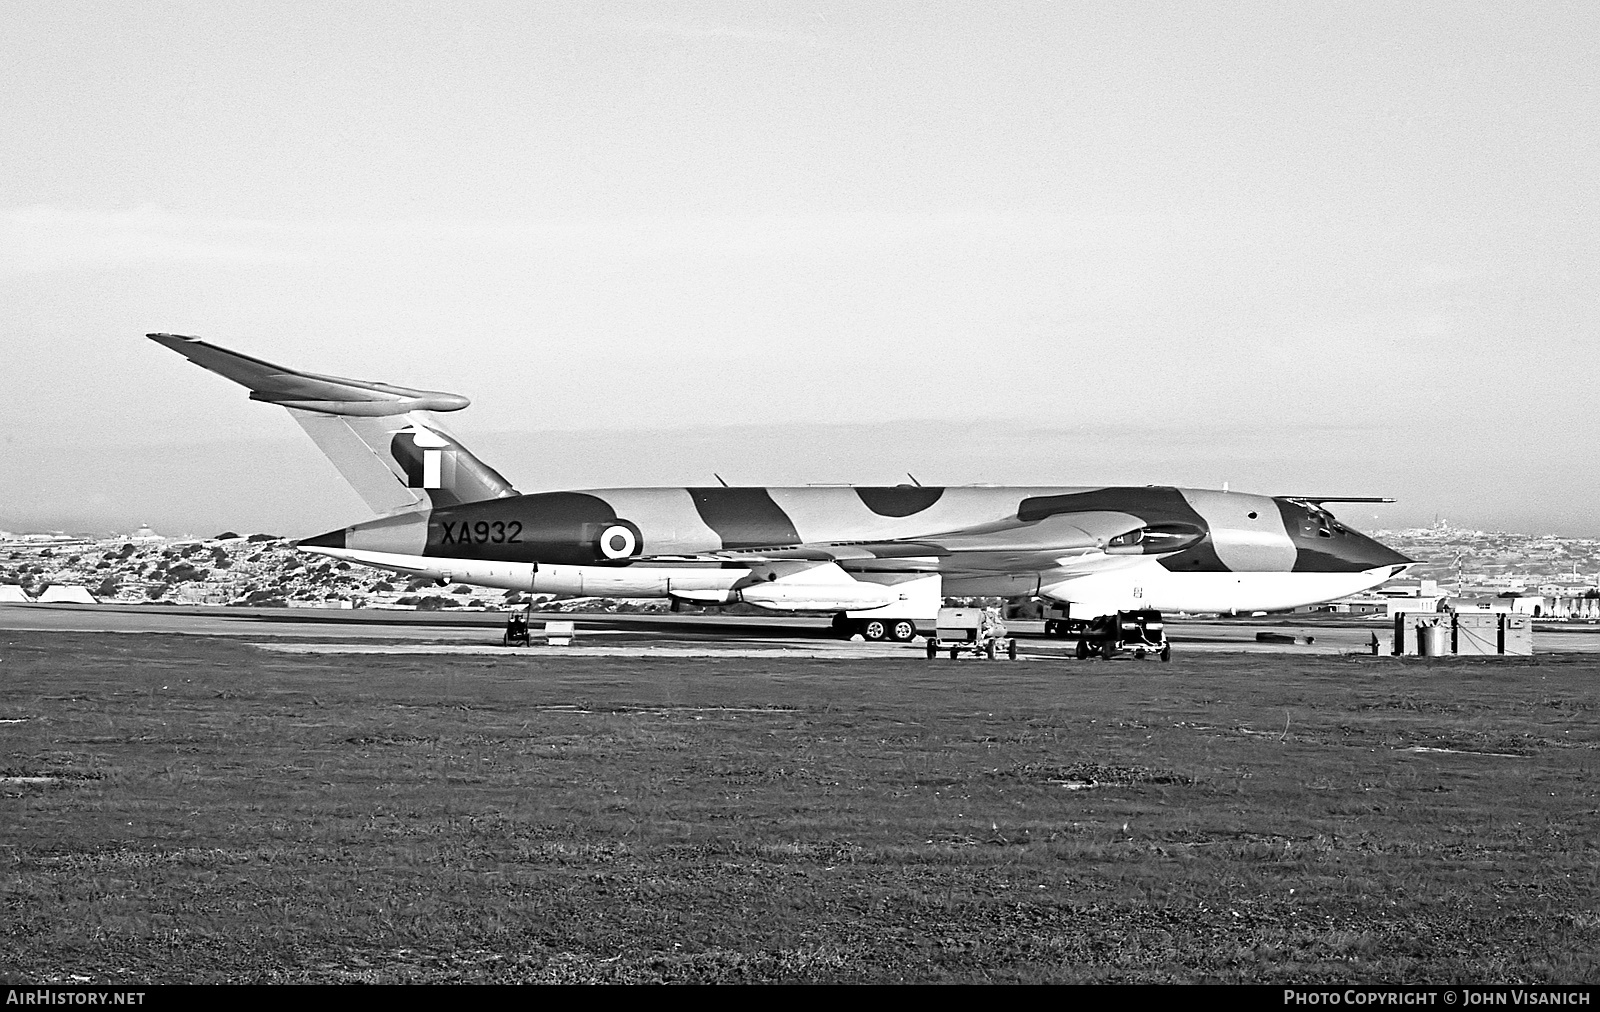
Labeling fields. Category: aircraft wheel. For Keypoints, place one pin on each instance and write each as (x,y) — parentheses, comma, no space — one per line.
(1166,653)
(1083,650)
(1011,650)
(1108,651)
(874,630)
(953,652)
(989,651)
(903,630)
(1139,654)
(932,648)
(842,625)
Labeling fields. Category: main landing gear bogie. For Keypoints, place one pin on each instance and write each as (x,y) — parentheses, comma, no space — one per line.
(876,630)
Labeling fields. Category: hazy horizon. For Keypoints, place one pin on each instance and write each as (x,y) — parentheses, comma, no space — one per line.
(283,484)
(1308,249)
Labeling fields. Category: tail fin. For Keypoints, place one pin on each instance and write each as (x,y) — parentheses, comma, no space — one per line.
(382,438)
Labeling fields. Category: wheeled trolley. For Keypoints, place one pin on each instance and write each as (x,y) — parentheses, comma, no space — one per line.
(517,630)
(978,631)
(1141,633)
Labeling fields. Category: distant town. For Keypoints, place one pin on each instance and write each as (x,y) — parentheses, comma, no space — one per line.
(1459,569)
(1468,562)
(1541,574)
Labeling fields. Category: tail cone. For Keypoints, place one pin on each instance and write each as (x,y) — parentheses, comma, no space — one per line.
(332,539)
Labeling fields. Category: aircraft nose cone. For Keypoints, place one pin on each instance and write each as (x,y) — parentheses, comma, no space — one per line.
(332,539)
(1344,551)
(1323,545)
(1366,553)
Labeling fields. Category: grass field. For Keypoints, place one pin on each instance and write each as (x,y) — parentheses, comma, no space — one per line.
(211,812)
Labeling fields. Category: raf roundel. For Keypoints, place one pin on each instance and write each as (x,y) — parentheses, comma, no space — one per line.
(618,542)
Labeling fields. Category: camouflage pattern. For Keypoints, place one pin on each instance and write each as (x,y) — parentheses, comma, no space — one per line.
(945,530)
(450,516)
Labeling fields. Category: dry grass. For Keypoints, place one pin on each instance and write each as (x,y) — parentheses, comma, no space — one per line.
(224,814)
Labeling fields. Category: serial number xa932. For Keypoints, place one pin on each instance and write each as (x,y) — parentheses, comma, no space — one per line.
(497,532)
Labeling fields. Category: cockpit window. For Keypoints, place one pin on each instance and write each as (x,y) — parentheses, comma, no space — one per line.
(1319,524)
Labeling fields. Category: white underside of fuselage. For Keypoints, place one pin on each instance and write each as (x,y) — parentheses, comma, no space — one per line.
(784,586)
(1128,585)
(546,578)
(1149,585)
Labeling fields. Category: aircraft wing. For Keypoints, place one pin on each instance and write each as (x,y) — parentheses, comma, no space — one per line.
(1007,543)
(840,551)
(996,546)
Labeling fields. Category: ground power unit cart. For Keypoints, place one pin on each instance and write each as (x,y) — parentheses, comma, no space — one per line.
(978,631)
(1140,633)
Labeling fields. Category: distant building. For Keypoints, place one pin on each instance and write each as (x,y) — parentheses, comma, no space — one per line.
(1577,607)
(1520,604)
(1411,605)
(50,540)
(58,594)
(1409,588)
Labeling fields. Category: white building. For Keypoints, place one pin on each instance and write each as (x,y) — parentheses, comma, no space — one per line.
(58,594)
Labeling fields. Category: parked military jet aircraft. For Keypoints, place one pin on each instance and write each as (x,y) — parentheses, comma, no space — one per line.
(880,559)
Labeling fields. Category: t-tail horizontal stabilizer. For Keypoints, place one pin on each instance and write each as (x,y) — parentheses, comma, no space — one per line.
(381,437)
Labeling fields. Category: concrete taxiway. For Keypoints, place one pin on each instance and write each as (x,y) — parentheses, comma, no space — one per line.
(660,635)
(360,624)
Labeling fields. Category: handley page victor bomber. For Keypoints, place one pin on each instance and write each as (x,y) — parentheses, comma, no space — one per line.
(880,559)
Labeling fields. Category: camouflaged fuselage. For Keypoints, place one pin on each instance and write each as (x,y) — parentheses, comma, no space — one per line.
(891,551)
(902,528)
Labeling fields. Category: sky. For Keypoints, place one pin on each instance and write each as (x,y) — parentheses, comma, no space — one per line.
(1304,249)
